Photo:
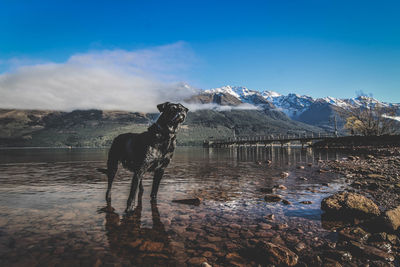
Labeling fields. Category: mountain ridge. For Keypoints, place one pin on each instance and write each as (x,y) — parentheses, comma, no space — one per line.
(315,111)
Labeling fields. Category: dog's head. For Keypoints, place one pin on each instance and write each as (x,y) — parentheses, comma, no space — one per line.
(171,115)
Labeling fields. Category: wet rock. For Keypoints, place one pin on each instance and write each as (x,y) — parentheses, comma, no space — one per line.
(205,264)
(378,237)
(328,262)
(214,239)
(350,204)
(270,217)
(233,257)
(196,261)
(272,198)
(233,235)
(281,226)
(286,202)
(284,174)
(353,158)
(135,243)
(151,246)
(265,226)
(376,176)
(339,255)
(265,234)
(303,178)
(207,254)
(306,202)
(362,250)
(300,246)
(235,226)
(385,246)
(392,239)
(353,233)
(189,201)
(231,246)
(281,187)
(392,218)
(267,190)
(269,253)
(300,167)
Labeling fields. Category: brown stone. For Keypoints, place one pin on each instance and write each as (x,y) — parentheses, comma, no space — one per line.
(189,201)
(272,198)
(214,239)
(270,253)
(196,261)
(207,254)
(307,202)
(350,204)
(135,243)
(300,246)
(281,187)
(392,218)
(370,252)
(151,246)
(376,176)
(356,234)
(209,246)
(265,226)
(270,217)
(235,226)
(284,174)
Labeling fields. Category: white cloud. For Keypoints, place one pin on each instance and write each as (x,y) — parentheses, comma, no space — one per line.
(213,106)
(110,79)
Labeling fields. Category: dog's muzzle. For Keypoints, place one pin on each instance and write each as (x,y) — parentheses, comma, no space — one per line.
(179,118)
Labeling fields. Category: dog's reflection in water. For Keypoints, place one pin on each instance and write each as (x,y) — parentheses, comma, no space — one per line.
(142,246)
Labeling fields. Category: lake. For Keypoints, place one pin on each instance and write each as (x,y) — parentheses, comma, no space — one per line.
(52,207)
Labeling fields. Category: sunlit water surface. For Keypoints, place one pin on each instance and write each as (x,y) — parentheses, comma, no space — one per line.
(51,203)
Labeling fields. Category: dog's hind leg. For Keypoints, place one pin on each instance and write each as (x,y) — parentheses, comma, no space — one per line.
(158,174)
(112,167)
(134,185)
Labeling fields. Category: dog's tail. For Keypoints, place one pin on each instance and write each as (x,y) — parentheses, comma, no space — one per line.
(105,171)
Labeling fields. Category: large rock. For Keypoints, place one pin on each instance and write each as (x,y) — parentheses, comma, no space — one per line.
(392,218)
(275,254)
(350,204)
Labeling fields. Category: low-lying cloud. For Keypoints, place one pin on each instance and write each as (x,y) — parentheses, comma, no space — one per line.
(216,107)
(109,79)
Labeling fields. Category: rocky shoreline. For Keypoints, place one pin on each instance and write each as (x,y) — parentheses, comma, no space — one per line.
(366,217)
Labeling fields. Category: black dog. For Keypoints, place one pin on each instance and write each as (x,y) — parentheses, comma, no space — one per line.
(148,151)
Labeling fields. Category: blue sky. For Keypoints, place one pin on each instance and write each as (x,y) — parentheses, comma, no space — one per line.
(318,48)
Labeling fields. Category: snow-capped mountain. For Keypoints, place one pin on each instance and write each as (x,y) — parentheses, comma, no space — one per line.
(292,104)
(315,111)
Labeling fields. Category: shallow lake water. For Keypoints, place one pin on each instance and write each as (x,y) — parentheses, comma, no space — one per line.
(52,207)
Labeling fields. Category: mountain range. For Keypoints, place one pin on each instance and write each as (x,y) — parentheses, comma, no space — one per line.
(216,113)
(318,112)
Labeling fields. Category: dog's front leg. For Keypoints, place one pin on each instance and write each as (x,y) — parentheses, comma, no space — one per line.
(158,174)
(134,185)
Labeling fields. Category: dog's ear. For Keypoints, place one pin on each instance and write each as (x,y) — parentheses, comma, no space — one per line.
(161,107)
(185,108)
